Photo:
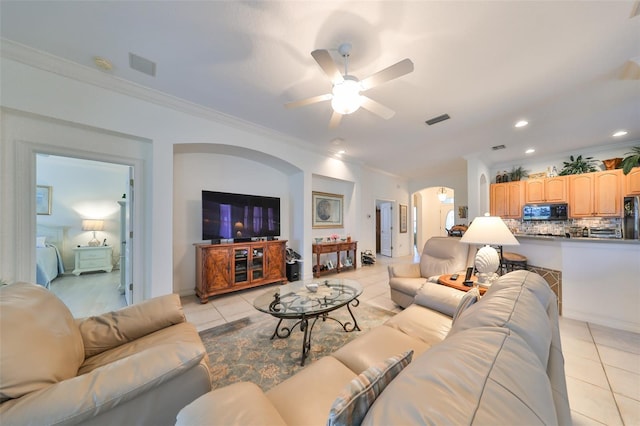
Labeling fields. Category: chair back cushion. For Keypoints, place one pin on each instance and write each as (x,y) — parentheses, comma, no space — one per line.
(443,255)
(41,344)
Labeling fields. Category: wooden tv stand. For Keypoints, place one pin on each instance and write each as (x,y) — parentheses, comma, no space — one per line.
(224,268)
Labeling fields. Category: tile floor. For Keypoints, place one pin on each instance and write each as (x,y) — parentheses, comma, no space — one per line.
(602,364)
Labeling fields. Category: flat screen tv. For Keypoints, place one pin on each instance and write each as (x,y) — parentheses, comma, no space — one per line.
(239,216)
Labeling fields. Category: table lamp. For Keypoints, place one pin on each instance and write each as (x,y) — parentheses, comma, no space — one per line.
(488,230)
(93,225)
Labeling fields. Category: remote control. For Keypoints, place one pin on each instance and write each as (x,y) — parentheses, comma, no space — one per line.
(454,277)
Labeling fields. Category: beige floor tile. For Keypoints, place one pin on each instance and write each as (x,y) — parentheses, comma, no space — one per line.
(576,329)
(623,382)
(629,408)
(580,420)
(202,316)
(579,347)
(618,358)
(210,324)
(618,339)
(225,299)
(584,369)
(383,302)
(593,402)
(236,310)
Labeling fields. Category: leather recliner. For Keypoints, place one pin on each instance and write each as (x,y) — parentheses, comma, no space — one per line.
(441,255)
(138,365)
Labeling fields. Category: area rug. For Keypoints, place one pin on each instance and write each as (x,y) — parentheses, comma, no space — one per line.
(243,350)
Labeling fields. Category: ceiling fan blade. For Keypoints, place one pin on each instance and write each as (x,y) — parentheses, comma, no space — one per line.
(323,58)
(308,101)
(335,120)
(377,108)
(394,71)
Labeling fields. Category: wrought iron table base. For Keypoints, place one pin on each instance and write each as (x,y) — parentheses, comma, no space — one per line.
(285,332)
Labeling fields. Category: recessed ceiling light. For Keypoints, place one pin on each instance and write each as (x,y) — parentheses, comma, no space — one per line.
(620,133)
(521,123)
(530,151)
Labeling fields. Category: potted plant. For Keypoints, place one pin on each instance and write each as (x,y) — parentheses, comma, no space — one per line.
(578,165)
(518,173)
(631,160)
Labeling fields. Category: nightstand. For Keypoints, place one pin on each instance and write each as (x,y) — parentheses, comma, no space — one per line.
(93,259)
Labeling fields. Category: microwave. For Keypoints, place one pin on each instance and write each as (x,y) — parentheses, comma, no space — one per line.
(532,212)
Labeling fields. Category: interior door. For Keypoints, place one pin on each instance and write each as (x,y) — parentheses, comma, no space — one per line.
(127,240)
(385,229)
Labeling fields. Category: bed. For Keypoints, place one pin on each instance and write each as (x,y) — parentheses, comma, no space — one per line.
(48,258)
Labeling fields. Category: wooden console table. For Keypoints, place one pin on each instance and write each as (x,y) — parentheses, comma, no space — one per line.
(337,247)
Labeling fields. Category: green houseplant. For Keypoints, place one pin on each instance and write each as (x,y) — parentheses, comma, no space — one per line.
(518,173)
(631,160)
(578,165)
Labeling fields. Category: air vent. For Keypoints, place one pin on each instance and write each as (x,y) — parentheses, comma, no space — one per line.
(141,64)
(436,120)
(498,147)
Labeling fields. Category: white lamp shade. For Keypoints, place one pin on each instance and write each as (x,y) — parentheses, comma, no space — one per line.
(92,225)
(489,230)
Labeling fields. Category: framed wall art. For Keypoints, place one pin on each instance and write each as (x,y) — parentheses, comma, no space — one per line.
(327,210)
(43,199)
(403,218)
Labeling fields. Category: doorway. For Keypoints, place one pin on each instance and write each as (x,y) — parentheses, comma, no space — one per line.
(90,214)
(384,228)
(434,213)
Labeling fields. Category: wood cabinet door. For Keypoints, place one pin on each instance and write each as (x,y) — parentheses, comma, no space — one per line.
(581,195)
(216,269)
(515,199)
(499,197)
(555,189)
(275,261)
(535,191)
(608,193)
(633,182)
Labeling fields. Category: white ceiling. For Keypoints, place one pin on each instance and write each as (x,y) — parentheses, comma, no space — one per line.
(485,63)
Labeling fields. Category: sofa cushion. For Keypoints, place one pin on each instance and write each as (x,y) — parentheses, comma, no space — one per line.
(375,346)
(418,322)
(355,399)
(443,255)
(514,308)
(103,332)
(485,375)
(41,344)
(469,298)
(439,297)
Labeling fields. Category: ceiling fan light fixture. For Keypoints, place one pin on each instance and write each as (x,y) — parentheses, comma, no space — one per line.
(346,96)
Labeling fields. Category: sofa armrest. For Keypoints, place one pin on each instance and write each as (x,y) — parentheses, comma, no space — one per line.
(404,270)
(241,403)
(439,298)
(81,398)
(112,329)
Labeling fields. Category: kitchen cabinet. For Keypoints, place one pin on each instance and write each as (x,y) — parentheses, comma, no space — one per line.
(507,199)
(632,182)
(596,194)
(223,268)
(547,190)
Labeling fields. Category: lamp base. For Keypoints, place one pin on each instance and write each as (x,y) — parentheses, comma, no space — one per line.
(486,263)
(94,243)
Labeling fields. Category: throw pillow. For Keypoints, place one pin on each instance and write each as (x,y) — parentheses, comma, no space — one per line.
(355,399)
(469,298)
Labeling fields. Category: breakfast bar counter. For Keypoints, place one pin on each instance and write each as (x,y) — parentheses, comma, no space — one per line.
(600,277)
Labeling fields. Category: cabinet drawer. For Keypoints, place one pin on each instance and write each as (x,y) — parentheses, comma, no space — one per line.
(93,254)
(91,263)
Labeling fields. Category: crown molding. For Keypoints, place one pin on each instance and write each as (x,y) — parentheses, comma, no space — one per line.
(38,59)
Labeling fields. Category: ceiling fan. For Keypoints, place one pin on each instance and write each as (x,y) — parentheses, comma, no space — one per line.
(345,96)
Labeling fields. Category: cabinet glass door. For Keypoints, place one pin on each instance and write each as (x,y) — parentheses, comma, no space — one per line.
(241,262)
(257,263)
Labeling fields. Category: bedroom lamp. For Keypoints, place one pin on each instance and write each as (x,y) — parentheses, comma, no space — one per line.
(488,230)
(93,225)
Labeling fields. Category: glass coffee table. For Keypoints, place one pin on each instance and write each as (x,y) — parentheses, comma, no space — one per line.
(309,300)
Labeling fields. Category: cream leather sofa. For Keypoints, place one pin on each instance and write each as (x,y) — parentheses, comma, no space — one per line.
(499,363)
(139,365)
(440,255)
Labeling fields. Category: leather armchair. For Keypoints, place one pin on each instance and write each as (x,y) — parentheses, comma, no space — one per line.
(440,255)
(137,365)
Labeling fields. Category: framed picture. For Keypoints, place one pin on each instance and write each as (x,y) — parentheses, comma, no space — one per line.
(43,199)
(462,212)
(403,218)
(327,210)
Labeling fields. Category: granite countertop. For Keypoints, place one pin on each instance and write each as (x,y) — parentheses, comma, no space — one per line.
(575,239)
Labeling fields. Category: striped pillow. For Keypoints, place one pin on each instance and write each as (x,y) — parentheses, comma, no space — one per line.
(355,399)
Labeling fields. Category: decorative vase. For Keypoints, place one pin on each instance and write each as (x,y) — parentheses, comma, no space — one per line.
(612,163)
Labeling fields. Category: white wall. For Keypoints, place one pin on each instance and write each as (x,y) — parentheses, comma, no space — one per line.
(97,103)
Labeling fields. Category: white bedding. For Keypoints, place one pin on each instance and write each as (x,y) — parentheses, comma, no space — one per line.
(48,264)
